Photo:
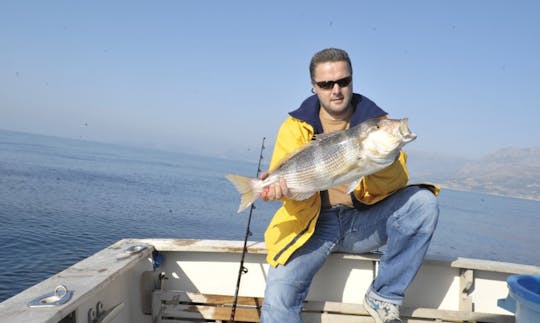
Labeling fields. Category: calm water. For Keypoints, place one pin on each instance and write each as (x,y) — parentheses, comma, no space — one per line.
(62,200)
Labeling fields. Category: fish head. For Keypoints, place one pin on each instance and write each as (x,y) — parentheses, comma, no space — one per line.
(386,137)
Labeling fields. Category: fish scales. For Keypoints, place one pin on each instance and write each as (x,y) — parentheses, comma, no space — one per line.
(323,160)
(315,170)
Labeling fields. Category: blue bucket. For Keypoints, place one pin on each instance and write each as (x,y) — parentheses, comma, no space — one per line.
(525,291)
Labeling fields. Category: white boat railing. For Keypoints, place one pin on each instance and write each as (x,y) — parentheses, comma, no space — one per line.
(120,284)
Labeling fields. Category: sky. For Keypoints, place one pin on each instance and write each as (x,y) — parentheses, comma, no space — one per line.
(215,77)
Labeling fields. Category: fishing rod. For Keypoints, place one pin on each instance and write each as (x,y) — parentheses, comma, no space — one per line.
(243,269)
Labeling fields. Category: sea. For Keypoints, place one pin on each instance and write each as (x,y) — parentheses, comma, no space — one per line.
(61,200)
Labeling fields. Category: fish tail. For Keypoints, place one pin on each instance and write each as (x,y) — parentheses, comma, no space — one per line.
(246,187)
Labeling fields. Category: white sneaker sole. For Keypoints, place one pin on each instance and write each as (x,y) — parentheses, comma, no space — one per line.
(372,312)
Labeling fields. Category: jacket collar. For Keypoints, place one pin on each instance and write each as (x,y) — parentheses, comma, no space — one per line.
(363,107)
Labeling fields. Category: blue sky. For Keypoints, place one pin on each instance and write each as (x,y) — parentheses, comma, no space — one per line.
(214,77)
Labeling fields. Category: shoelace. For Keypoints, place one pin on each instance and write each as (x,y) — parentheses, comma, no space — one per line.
(391,311)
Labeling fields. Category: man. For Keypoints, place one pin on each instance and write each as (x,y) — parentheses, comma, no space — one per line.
(381,210)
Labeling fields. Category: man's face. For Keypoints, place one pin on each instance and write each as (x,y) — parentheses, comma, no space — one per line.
(335,100)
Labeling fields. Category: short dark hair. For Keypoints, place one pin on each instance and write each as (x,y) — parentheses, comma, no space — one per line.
(328,55)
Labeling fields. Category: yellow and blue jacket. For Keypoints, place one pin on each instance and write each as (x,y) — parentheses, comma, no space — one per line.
(294,223)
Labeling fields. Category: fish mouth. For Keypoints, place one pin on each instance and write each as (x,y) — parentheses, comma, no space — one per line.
(405,132)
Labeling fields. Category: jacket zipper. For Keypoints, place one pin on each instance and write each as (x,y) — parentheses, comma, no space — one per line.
(301,233)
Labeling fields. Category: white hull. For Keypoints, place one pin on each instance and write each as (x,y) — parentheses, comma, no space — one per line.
(127,286)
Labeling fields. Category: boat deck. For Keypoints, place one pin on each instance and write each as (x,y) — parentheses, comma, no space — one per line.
(179,306)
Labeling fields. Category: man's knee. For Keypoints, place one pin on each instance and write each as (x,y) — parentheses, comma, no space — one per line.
(420,212)
(426,208)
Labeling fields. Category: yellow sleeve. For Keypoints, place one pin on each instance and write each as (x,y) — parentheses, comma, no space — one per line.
(292,135)
(376,187)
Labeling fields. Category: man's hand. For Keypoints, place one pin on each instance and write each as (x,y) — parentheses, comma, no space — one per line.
(274,191)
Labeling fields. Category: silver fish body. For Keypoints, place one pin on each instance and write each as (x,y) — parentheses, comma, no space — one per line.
(333,159)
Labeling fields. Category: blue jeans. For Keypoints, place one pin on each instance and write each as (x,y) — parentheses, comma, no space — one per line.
(404,221)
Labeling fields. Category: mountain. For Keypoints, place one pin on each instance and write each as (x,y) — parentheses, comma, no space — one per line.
(511,172)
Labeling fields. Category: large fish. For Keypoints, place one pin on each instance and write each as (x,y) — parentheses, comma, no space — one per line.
(333,159)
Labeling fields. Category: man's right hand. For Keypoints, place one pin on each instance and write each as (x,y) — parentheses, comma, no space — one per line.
(274,191)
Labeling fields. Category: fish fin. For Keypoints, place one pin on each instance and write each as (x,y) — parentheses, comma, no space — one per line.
(316,138)
(321,136)
(245,186)
(300,196)
(290,155)
(353,185)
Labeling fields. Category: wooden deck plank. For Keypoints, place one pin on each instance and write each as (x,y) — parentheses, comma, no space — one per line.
(210,312)
(210,299)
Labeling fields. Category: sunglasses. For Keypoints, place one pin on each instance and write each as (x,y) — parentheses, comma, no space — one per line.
(327,85)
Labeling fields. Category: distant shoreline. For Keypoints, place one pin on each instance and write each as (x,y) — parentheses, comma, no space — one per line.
(487,192)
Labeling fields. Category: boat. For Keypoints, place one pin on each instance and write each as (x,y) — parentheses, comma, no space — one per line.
(186,280)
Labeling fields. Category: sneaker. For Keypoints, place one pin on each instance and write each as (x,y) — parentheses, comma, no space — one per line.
(382,312)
